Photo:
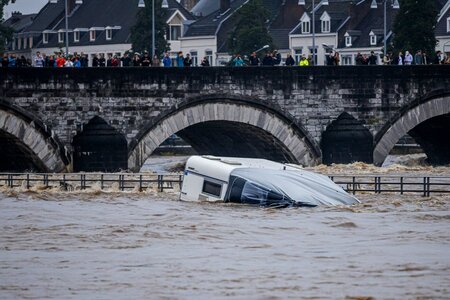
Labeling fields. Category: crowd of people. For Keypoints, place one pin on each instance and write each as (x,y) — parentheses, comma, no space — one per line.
(269,59)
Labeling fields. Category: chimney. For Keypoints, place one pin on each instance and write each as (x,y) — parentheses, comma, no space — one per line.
(224,5)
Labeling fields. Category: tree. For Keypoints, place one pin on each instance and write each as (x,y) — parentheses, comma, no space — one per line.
(141,32)
(250,32)
(5,32)
(414,26)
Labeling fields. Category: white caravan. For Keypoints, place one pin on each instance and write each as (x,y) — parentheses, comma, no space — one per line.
(258,181)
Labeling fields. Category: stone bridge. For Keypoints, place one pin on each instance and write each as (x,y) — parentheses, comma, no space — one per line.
(106,119)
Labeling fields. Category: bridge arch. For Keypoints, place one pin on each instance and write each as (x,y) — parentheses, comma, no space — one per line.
(246,116)
(26,145)
(409,120)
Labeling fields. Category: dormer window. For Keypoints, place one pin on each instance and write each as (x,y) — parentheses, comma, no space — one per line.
(92,35)
(348,40)
(108,33)
(306,24)
(325,21)
(76,36)
(373,39)
(45,37)
(175,32)
(61,37)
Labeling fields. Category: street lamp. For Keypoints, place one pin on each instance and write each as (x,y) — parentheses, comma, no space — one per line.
(164,4)
(263,47)
(313,12)
(78,2)
(395,5)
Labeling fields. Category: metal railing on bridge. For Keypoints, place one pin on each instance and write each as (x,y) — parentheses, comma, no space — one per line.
(423,184)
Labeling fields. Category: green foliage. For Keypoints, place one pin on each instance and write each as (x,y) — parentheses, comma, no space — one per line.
(414,26)
(141,32)
(5,32)
(250,32)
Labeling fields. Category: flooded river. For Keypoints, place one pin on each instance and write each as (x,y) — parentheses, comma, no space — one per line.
(109,245)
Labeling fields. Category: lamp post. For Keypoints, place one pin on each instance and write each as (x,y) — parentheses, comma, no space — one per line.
(263,47)
(313,12)
(164,4)
(66,9)
(395,5)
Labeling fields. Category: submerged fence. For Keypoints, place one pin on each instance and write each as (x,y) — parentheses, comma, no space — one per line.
(425,185)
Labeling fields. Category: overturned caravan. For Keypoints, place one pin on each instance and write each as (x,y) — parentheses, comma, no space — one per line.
(258,181)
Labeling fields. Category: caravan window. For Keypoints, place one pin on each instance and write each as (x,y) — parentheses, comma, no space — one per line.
(211,188)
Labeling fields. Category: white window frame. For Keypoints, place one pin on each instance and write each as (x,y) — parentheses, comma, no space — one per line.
(92,35)
(373,39)
(45,37)
(448,24)
(348,40)
(194,57)
(298,54)
(30,42)
(170,32)
(305,24)
(347,59)
(25,42)
(76,36)
(61,37)
(209,56)
(326,22)
(109,34)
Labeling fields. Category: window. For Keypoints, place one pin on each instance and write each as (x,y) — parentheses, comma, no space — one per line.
(92,35)
(325,26)
(209,56)
(45,37)
(25,43)
(60,37)
(325,21)
(76,36)
(311,51)
(175,32)
(346,60)
(108,34)
(30,43)
(19,43)
(211,188)
(348,40)
(306,25)
(194,57)
(298,55)
(448,24)
(14,44)
(373,40)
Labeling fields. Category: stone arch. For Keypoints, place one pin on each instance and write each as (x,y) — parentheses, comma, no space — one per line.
(410,118)
(288,132)
(99,148)
(31,138)
(346,140)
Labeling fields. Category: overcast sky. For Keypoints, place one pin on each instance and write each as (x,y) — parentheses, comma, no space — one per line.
(24,6)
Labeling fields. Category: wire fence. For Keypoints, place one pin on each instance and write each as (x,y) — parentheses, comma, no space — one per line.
(377,184)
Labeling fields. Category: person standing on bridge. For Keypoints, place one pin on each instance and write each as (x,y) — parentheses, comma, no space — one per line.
(289,60)
(303,61)
(39,60)
(60,61)
(180,59)
(187,60)
(167,61)
(408,58)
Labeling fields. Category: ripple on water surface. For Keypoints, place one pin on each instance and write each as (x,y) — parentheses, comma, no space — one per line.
(126,245)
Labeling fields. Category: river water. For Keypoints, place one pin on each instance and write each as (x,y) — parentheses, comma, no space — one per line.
(110,245)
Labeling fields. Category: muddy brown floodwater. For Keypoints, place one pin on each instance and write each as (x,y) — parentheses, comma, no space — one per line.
(136,246)
(109,245)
